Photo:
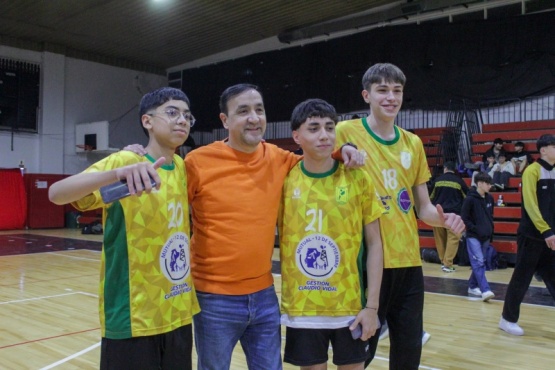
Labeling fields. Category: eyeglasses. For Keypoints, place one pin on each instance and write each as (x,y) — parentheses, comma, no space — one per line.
(174,114)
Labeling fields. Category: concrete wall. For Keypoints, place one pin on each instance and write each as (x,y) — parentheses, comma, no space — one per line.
(75,91)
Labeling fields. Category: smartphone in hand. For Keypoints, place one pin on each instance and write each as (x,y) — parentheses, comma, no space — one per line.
(357,332)
(118,190)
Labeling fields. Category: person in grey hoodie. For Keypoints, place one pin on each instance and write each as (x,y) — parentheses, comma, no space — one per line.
(477,215)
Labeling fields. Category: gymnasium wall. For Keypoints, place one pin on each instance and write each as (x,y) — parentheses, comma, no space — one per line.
(476,60)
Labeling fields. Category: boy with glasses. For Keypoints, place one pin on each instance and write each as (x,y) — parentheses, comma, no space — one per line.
(147,298)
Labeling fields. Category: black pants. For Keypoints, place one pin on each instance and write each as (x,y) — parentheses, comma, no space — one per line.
(501,178)
(167,351)
(401,305)
(531,256)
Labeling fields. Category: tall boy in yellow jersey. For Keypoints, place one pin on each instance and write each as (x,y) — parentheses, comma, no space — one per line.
(326,210)
(396,161)
(147,298)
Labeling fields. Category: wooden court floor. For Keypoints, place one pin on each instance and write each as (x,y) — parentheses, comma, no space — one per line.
(49,312)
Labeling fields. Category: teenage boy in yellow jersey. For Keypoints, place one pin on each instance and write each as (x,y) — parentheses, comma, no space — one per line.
(325,212)
(396,161)
(147,298)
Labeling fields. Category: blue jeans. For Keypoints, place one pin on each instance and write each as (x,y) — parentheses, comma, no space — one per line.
(252,319)
(476,250)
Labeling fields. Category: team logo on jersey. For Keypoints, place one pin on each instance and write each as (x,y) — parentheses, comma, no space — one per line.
(296,193)
(406,160)
(403,200)
(317,256)
(175,258)
(341,194)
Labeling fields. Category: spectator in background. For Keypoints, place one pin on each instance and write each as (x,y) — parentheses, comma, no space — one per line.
(484,167)
(536,234)
(520,158)
(477,214)
(449,191)
(492,152)
(495,149)
(502,171)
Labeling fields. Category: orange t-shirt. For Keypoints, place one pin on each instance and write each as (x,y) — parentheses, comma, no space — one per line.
(234,198)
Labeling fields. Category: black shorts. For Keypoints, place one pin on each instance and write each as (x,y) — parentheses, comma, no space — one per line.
(305,347)
(163,351)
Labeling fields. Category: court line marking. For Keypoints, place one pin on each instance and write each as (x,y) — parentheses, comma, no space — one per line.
(50,296)
(64,360)
(48,338)
(57,254)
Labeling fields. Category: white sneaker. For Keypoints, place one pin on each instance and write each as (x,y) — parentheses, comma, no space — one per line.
(425,337)
(475,292)
(510,327)
(486,296)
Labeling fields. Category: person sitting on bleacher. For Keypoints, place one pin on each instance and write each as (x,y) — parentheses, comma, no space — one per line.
(502,171)
(496,148)
(485,167)
(520,158)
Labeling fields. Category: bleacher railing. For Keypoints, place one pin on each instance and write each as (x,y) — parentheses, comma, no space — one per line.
(498,111)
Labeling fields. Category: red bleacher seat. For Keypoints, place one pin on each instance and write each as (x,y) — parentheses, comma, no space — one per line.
(514,182)
(284,143)
(506,219)
(478,158)
(508,147)
(519,126)
(489,137)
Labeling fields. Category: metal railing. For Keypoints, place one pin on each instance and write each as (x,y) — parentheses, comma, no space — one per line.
(491,112)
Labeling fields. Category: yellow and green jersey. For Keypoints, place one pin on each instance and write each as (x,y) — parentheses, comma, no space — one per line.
(321,223)
(395,166)
(145,281)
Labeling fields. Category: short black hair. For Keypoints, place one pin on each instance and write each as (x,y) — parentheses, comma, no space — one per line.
(158,97)
(498,141)
(502,153)
(312,108)
(519,143)
(450,166)
(545,140)
(235,90)
(483,177)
